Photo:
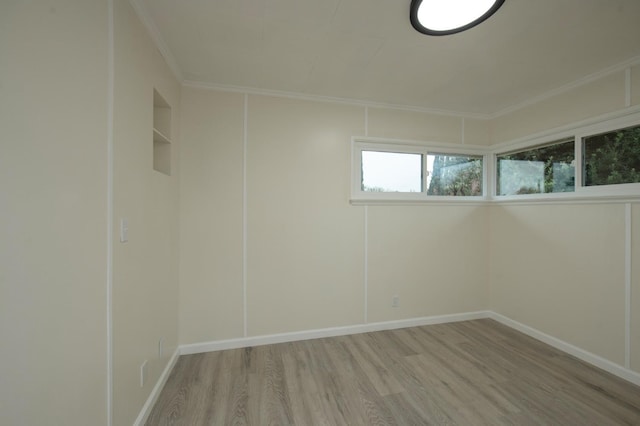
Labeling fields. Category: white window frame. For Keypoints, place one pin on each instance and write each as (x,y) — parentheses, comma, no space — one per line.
(628,192)
(624,189)
(527,146)
(360,144)
(620,191)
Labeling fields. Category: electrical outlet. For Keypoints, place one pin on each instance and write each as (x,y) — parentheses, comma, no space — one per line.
(124,230)
(143,373)
(161,347)
(395,301)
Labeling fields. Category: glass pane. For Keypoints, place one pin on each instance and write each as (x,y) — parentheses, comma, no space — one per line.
(612,158)
(391,172)
(541,170)
(454,175)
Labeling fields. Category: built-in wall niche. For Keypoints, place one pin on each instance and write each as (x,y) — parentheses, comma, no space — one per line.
(161,134)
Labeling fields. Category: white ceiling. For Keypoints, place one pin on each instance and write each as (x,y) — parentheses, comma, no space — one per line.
(367,50)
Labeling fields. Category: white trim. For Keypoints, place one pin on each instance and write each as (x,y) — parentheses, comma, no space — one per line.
(155,393)
(363,143)
(220,345)
(568,87)
(627,87)
(431,200)
(320,98)
(488,176)
(433,146)
(564,130)
(244,342)
(562,198)
(366,264)
(609,122)
(627,285)
(245,139)
(475,115)
(110,182)
(156,36)
(582,354)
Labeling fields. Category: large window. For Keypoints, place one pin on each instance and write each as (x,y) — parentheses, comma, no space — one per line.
(612,158)
(544,169)
(389,171)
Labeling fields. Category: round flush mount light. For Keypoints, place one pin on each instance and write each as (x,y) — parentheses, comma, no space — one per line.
(442,17)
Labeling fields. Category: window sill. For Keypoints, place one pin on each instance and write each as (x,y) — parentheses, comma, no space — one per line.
(530,199)
(566,198)
(431,200)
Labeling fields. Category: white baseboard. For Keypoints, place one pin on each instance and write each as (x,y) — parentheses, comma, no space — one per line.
(155,393)
(593,359)
(244,342)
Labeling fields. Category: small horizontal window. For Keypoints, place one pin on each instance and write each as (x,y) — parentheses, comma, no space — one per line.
(612,158)
(454,175)
(545,169)
(390,171)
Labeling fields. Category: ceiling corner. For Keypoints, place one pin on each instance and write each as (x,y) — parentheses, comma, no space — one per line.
(154,32)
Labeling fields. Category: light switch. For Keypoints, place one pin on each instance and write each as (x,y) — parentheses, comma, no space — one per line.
(124,230)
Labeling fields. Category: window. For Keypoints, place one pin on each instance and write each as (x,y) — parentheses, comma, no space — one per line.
(545,169)
(390,171)
(598,159)
(454,175)
(611,158)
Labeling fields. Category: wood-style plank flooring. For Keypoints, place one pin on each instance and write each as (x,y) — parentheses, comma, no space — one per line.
(466,373)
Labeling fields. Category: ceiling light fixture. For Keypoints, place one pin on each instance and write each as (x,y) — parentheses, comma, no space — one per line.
(442,17)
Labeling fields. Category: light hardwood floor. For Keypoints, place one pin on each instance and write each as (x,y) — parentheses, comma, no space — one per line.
(466,373)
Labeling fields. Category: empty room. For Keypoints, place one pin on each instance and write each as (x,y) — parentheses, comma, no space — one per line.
(336,212)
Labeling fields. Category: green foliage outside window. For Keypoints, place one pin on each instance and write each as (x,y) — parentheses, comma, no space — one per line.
(545,169)
(612,158)
(456,175)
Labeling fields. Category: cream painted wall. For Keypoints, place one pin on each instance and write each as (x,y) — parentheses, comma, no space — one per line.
(477,131)
(595,98)
(211,250)
(635,288)
(560,269)
(305,247)
(305,241)
(53,176)
(306,252)
(427,127)
(412,125)
(411,257)
(145,269)
(581,245)
(433,258)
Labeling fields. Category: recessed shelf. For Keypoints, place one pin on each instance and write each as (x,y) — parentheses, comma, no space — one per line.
(159,137)
(161,134)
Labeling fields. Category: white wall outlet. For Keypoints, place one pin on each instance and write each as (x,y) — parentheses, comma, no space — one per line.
(143,373)
(395,301)
(124,230)
(161,347)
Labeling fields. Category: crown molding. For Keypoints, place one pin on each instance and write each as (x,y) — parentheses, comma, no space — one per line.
(154,32)
(622,66)
(320,98)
